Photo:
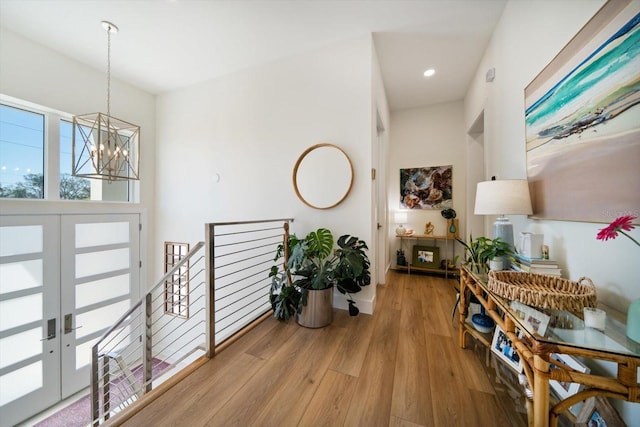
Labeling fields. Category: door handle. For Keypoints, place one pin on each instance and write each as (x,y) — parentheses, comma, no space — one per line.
(51,330)
(68,324)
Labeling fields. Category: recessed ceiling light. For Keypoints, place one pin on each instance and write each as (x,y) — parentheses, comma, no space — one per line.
(430,72)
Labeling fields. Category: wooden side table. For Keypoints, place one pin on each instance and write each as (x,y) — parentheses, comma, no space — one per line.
(535,351)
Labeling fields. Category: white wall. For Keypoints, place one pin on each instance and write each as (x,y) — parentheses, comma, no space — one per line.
(429,136)
(527,38)
(249,128)
(38,75)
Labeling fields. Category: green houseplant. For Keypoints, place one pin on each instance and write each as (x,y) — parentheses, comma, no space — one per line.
(314,265)
(476,252)
(495,251)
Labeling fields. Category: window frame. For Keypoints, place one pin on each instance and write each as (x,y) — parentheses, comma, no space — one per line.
(51,163)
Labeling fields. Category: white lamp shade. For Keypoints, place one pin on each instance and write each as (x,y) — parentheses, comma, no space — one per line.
(504,197)
(400,217)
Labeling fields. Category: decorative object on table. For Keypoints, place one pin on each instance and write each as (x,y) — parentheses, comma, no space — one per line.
(482,322)
(539,265)
(597,411)
(545,252)
(621,225)
(426,188)
(537,320)
(312,269)
(475,252)
(530,245)
(595,318)
(400,218)
(505,350)
(104,147)
(565,362)
(426,256)
(449,264)
(400,258)
(428,229)
(504,197)
(452,224)
(496,251)
(542,291)
(568,119)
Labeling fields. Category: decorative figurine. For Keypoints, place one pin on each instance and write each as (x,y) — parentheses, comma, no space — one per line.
(428,229)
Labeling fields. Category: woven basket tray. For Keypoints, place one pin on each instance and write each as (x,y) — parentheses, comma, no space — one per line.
(542,291)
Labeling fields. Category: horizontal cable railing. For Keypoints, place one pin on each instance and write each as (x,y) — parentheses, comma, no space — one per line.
(227,288)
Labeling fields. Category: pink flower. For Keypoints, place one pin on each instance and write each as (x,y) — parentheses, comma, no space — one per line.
(620,224)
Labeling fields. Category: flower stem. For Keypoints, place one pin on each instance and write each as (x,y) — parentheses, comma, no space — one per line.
(634,240)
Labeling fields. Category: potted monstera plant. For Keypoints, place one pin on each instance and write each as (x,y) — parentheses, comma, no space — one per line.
(313,269)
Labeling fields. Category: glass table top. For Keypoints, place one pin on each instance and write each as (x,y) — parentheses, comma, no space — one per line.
(563,327)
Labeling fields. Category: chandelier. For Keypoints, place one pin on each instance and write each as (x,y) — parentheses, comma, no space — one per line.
(105,147)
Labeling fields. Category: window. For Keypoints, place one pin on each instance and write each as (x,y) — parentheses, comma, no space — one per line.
(21,153)
(25,170)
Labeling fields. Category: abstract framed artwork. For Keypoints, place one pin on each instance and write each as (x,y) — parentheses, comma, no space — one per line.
(582,121)
(426,188)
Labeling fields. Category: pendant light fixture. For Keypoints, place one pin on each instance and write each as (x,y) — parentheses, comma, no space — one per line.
(105,147)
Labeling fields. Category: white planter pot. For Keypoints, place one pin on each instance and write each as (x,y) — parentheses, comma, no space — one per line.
(496,264)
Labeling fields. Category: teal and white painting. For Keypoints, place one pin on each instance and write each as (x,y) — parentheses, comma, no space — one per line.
(582,121)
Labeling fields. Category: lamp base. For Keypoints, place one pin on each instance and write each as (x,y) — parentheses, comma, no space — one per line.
(401,231)
(503,228)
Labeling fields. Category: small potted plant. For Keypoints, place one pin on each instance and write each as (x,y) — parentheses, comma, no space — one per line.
(476,252)
(495,251)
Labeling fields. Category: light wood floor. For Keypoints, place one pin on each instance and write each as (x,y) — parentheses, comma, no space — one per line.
(400,367)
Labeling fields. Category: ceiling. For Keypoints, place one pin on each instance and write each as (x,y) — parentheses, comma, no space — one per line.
(163,45)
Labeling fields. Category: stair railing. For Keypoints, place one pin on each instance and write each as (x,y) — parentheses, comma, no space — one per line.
(227,277)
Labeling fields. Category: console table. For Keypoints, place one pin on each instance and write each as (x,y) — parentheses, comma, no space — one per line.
(535,352)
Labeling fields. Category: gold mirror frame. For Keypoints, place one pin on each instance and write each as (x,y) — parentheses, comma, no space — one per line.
(296,171)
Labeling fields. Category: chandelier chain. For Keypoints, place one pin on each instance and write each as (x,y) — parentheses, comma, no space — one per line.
(109,72)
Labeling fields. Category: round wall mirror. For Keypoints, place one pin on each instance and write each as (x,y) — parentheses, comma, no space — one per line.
(323,176)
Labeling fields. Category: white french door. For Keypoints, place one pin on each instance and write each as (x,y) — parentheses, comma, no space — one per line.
(79,274)
(29,309)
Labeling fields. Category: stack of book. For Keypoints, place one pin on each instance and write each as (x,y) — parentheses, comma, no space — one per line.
(535,265)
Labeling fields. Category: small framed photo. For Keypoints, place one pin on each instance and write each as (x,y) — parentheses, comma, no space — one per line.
(537,320)
(597,411)
(426,256)
(564,389)
(505,350)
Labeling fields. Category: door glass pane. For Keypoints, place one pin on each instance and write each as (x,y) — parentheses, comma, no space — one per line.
(17,276)
(20,240)
(100,290)
(24,345)
(99,319)
(17,383)
(20,311)
(101,262)
(103,233)
(71,187)
(83,353)
(21,153)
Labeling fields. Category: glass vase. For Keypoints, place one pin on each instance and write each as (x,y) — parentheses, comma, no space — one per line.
(633,321)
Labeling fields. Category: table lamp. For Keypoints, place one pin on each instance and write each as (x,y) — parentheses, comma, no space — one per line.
(400,218)
(503,197)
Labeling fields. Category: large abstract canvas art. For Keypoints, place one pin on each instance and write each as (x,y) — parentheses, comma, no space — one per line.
(583,122)
(428,187)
